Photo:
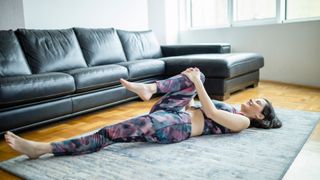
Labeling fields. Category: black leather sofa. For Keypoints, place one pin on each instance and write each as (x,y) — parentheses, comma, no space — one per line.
(48,75)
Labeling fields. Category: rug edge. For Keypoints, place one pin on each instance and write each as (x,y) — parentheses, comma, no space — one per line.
(316,122)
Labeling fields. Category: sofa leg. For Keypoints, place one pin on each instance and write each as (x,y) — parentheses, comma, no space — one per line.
(221,97)
(227,95)
(254,85)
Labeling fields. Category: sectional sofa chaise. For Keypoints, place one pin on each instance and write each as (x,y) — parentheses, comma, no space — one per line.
(48,75)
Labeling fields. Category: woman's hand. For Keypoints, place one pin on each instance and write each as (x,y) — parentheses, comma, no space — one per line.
(192,73)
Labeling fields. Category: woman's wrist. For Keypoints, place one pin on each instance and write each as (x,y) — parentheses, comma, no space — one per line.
(197,80)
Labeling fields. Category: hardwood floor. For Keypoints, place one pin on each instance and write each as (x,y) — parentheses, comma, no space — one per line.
(282,95)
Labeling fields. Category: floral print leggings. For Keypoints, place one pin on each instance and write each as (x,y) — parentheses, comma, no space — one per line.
(166,122)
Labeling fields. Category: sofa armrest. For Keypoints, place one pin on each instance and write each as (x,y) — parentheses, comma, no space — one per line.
(178,50)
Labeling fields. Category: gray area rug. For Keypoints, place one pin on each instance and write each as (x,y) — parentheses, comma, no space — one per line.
(251,154)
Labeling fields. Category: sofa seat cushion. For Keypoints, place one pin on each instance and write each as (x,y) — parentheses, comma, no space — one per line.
(23,89)
(216,65)
(97,77)
(144,68)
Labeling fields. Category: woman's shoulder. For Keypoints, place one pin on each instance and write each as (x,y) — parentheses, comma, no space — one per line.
(224,106)
(221,106)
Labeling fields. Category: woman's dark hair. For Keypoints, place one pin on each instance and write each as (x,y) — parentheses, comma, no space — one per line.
(270,119)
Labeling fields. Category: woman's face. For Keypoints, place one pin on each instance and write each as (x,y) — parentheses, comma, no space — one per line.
(253,108)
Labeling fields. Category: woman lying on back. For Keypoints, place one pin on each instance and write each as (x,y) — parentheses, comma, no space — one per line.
(172,119)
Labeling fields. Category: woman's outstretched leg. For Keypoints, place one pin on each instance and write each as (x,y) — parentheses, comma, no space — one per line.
(145,128)
(139,129)
(32,149)
(148,128)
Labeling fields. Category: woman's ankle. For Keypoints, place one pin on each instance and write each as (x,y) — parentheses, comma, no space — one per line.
(44,148)
(152,88)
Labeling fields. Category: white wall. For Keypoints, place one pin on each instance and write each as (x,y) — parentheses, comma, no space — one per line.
(291,51)
(53,14)
(157,20)
(11,14)
(164,20)
(172,21)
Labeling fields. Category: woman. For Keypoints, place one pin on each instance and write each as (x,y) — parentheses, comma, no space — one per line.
(172,119)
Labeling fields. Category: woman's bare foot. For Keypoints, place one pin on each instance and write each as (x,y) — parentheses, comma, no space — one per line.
(30,148)
(144,91)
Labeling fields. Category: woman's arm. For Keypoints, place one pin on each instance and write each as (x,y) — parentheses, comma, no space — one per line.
(235,122)
(207,106)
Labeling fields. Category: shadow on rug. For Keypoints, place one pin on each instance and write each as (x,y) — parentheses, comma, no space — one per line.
(251,154)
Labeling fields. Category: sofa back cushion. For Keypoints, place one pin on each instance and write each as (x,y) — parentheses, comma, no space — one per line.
(51,50)
(139,45)
(100,46)
(12,60)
